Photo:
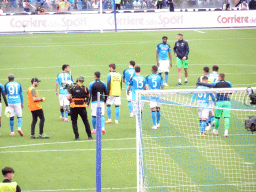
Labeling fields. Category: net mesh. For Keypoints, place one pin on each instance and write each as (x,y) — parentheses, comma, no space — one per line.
(175,158)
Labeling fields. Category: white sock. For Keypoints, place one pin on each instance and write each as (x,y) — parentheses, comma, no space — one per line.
(186,79)
(19,128)
(179,80)
(103,128)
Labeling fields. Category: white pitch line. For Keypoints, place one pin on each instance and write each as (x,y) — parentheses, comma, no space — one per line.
(89,189)
(199,31)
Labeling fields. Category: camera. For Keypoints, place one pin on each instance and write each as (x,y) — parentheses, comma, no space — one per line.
(67,85)
(250,124)
(252,95)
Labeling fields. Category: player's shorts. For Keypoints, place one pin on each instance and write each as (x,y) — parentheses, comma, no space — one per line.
(15,110)
(154,104)
(129,97)
(0,109)
(114,100)
(94,109)
(181,63)
(135,106)
(223,112)
(163,66)
(63,100)
(203,113)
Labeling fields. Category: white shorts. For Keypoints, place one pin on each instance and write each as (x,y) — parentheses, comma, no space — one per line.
(203,113)
(154,104)
(94,109)
(135,106)
(63,100)
(15,110)
(129,97)
(0,109)
(163,66)
(114,100)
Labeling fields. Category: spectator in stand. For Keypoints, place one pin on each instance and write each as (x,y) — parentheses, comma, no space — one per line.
(226,6)
(160,4)
(243,6)
(252,5)
(26,6)
(1,10)
(144,4)
(118,4)
(108,5)
(40,10)
(136,4)
(171,7)
(95,5)
(61,6)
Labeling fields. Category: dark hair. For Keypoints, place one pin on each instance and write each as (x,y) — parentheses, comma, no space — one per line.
(154,67)
(97,74)
(64,67)
(222,76)
(11,77)
(137,69)
(215,68)
(205,78)
(132,63)
(164,37)
(7,170)
(112,65)
(180,34)
(206,69)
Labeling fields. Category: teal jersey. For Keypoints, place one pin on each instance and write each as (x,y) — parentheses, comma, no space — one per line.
(137,82)
(202,98)
(127,75)
(163,50)
(14,92)
(63,78)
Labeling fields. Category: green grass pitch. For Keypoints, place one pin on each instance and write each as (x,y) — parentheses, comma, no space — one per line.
(61,164)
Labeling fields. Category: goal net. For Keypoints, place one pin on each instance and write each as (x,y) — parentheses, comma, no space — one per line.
(175,157)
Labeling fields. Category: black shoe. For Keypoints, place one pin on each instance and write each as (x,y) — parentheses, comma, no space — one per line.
(179,83)
(90,138)
(33,137)
(186,83)
(77,139)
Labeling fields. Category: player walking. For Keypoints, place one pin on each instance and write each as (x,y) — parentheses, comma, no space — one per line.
(222,101)
(203,105)
(181,51)
(95,87)
(155,82)
(163,55)
(62,81)
(15,103)
(5,100)
(127,74)
(114,85)
(213,77)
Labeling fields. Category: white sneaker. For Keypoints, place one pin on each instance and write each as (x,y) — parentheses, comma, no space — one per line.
(154,127)
(158,125)
(215,131)
(226,133)
(208,127)
(166,85)
(131,115)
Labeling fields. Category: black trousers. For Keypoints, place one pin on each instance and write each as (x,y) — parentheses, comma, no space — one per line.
(74,112)
(159,5)
(38,113)
(118,6)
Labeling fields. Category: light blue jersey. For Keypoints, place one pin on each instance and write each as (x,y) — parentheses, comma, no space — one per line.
(2,87)
(202,98)
(127,75)
(14,92)
(154,81)
(137,82)
(213,77)
(61,79)
(163,50)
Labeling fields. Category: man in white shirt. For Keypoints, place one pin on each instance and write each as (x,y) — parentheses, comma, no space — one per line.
(243,6)
(136,5)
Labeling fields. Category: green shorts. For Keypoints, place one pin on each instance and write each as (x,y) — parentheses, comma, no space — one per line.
(223,112)
(181,63)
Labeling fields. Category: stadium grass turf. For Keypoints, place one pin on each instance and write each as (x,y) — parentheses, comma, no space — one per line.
(61,163)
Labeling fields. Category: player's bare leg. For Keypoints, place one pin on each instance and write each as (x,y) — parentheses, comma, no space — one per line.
(179,76)
(186,76)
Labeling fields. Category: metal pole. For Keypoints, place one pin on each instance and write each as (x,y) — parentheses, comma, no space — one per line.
(98,145)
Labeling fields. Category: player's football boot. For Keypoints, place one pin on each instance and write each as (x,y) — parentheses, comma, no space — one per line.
(109,121)
(208,127)
(185,82)
(94,131)
(116,122)
(43,136)
(226,133)
(62,118)
(154,127)
(12,134)
(33,137)
(90,138)
(202,135)
(166,85)
(20,132)
(131,115)
(179,83)
(103,132)
(215,131)
(158,125)
(77,139)
(66,120)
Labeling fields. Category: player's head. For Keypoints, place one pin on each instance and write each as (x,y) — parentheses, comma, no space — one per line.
(112,67)
(179,36)
(11,77)
(205,79)
(164,38)
(97,75)
(65,68)
(215,68)
(80,79)
(154,69)
(8,172)
(35,81)
(132,63)
(206,70)
(221,77)
(137,69)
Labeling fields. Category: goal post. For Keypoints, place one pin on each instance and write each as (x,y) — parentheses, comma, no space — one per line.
(176,157)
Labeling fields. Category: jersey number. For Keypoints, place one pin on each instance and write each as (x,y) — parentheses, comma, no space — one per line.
(202,95)
(154,81)
(139,83)
(13,88)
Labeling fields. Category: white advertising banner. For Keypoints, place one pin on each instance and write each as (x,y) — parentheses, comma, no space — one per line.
(133,21)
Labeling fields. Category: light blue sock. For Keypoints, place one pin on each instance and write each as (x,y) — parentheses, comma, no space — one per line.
(130,106)
(117,113)
(102,121)
(109,111)
(166,78)
(20,122)
(94,122)
(12,125)
(153,113)
(66,114)
(202,126)
(158,116)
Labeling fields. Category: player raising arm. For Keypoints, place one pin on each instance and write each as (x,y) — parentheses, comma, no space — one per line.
(155,82)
